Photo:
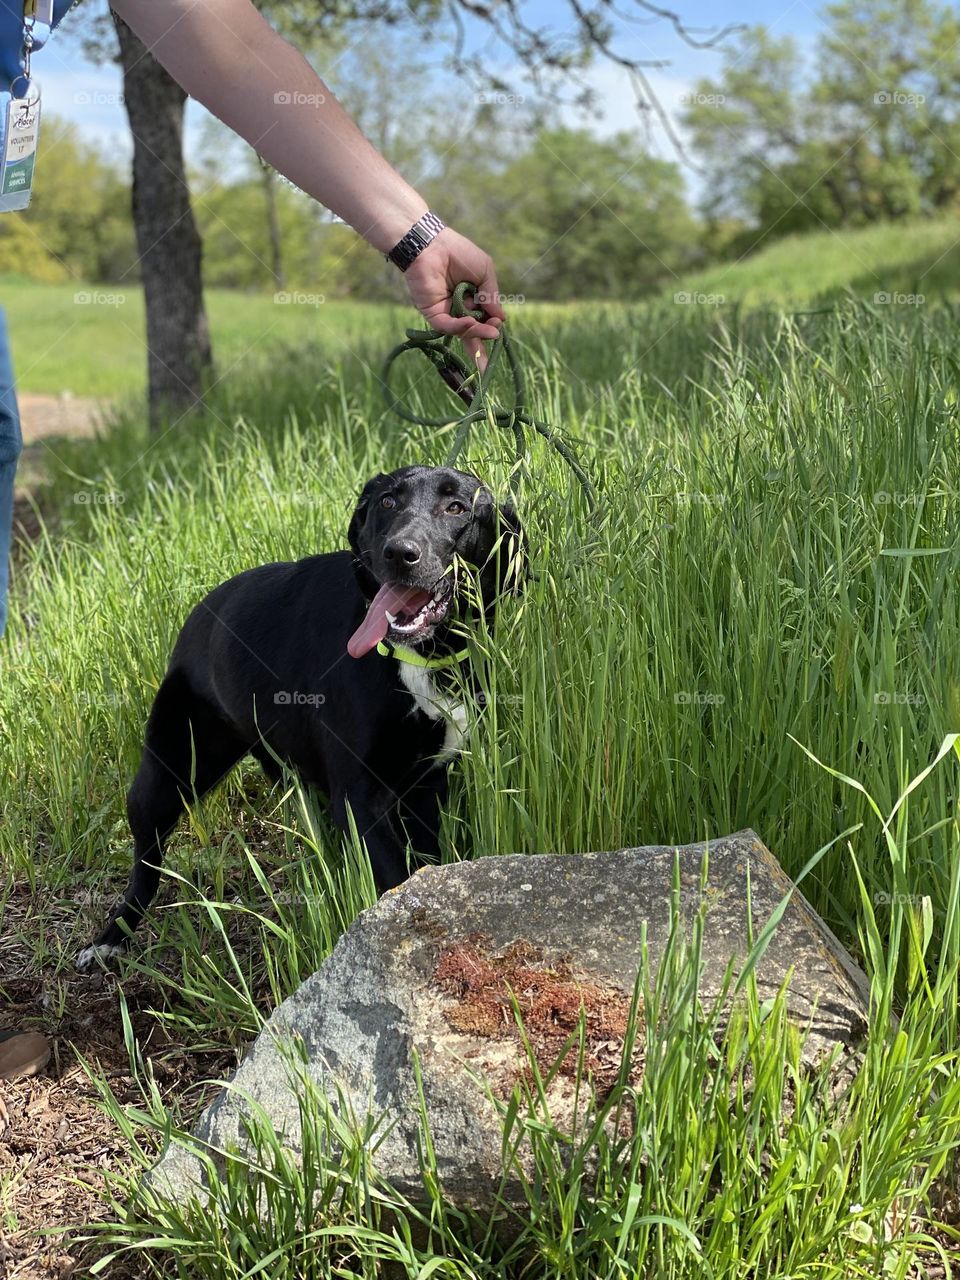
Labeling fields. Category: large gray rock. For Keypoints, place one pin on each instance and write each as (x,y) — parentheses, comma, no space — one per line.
(425,971)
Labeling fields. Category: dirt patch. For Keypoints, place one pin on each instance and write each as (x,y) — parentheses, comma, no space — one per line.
(551,999)
(45,421)
(69,416)
(56,1141)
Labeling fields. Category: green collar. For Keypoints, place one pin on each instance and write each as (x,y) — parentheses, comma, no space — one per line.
(403,654)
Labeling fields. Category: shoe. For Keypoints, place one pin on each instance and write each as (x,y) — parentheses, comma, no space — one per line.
(22,1053)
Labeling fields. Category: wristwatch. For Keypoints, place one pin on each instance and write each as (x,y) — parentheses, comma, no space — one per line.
(407,250)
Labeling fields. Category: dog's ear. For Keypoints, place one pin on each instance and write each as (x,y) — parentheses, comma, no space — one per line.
(360,512)
(365,579)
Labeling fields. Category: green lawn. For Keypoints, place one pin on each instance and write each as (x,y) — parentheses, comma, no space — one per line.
(771,578)
(90,339)
(96,347)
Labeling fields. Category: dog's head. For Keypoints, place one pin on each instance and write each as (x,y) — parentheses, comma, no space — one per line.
(408,534)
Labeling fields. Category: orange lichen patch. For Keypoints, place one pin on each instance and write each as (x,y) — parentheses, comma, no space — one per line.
(551,1000)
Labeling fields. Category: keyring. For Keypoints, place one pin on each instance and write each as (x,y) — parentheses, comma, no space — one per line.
(22,97)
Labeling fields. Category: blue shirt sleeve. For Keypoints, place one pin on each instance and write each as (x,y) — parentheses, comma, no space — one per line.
(11,38)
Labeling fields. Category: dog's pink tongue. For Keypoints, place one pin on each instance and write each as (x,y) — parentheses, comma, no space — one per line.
(389,599)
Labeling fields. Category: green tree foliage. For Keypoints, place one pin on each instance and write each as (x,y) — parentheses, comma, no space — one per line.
(232,219)
(566,214)
(79,222)
(574,216)
(22,253)
(869,131)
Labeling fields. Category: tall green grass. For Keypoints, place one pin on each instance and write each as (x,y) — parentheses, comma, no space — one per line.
(769,583)
(774,563)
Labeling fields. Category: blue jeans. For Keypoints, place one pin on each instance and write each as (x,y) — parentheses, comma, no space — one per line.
(11,443)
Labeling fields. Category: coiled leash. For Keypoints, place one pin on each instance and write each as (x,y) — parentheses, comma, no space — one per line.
(472,390)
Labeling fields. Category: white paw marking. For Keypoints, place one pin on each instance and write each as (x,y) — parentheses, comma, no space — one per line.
(91,956)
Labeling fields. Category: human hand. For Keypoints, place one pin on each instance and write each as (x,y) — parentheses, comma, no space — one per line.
(432,278)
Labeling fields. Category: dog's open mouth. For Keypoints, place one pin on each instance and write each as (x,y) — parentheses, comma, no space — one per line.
(410,613)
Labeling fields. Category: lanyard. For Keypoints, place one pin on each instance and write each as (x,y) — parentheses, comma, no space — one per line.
(29,21)
(39,11)
(20,121)
(25,26)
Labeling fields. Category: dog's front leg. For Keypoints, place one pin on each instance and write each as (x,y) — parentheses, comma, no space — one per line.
(373,806)
(419,811)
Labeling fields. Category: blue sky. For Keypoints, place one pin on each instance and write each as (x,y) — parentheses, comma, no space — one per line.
(88,94)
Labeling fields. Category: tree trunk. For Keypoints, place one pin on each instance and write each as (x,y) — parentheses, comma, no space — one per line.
(836,194)
(269,180)
(178,339)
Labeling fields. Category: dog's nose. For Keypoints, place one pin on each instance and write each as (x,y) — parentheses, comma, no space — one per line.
(401,551)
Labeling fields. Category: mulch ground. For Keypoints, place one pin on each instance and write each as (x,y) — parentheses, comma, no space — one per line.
(56,1142)
(55,1139)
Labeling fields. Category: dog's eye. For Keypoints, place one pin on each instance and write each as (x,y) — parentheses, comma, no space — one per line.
(387,502)
(455,508)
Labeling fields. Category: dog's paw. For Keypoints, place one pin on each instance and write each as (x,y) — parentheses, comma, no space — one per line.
(98,956)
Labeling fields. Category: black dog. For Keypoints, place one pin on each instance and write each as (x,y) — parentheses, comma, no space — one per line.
(335,665)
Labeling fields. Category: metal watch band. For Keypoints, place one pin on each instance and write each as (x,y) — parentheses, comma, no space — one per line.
(407,250)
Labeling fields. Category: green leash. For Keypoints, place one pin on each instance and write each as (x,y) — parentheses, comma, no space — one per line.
(472,390)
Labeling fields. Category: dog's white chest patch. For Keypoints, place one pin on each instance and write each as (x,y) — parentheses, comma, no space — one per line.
(422,687)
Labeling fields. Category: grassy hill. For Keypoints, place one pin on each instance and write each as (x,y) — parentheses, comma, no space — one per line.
(900,260)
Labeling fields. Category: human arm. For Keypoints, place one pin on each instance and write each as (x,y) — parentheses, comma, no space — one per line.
(225,54)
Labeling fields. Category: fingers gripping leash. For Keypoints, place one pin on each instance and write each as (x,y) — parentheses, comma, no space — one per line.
(472,387)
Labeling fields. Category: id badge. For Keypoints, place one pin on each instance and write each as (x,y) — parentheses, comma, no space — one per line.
(18,151)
